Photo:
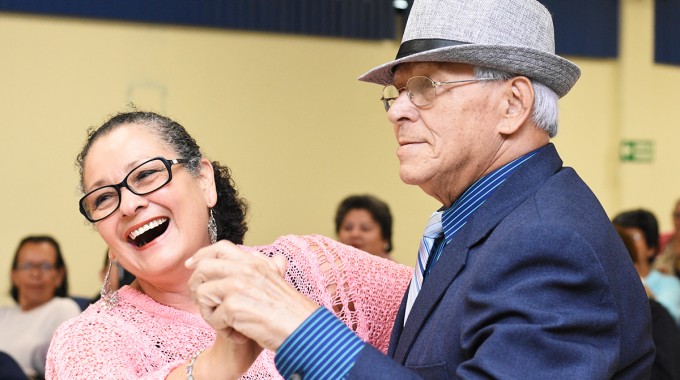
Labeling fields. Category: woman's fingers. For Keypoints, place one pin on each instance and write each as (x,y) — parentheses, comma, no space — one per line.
(248,293)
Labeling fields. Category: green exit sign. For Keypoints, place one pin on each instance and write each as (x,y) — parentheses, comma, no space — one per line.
(636,150)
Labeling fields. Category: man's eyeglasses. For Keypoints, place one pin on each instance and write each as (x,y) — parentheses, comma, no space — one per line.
(144,179)
(420,90)
(43,267)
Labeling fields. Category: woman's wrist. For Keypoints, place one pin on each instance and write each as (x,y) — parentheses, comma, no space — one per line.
(225,359)
(220,361)
(192,363)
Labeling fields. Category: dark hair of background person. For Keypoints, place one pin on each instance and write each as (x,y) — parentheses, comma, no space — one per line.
(61,291)
(377,208)
(229,211)
(645,221)
(628,242)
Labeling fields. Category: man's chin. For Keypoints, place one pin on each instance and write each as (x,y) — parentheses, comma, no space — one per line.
(410,177)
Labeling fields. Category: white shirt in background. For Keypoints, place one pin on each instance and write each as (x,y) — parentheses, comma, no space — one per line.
(21,332)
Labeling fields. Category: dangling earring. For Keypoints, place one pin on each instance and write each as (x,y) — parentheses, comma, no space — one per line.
(212,228)
(109,296)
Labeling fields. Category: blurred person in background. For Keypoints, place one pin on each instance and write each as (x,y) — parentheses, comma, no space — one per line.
(669,245)
(40,289)
(643,227)
(665,333)
(365,222)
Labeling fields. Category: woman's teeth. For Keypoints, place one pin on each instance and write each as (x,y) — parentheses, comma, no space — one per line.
(152,224)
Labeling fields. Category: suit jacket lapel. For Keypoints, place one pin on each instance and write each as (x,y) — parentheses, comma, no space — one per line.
(436,283)
(508,196)
(398,326)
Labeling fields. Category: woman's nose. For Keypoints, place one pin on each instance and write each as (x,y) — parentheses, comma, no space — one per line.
(355,232)
(130,202)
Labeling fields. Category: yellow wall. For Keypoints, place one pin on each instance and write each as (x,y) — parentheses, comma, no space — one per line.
(287,115)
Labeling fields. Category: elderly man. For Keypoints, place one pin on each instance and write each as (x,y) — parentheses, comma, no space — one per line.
(519,275)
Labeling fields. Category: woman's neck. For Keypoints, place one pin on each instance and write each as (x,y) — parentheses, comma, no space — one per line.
(28,306)
(178,297)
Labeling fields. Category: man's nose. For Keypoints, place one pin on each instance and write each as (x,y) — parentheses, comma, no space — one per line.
(401,108)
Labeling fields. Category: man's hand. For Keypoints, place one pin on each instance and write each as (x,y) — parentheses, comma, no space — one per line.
(241,293)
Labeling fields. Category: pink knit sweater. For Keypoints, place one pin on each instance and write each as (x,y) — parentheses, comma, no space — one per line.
(142,339)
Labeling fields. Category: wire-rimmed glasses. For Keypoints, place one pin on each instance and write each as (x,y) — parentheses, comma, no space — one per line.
(29,266)
(421,90)
(146,178)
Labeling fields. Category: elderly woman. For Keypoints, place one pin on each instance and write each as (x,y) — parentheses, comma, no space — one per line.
(156,200)
(365,222)
(40,289)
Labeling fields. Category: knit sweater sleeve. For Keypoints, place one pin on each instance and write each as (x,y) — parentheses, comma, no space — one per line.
(362,290)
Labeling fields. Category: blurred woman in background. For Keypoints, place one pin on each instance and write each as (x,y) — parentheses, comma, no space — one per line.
(365,222)
(40,289)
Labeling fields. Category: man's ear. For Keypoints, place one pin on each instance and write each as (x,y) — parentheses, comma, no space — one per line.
(207,181)
(518,102)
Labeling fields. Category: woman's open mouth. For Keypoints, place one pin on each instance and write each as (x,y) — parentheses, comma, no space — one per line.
(148,232)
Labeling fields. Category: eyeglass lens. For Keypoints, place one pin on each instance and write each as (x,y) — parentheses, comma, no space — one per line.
(146,178)
(44,267)
(420,90)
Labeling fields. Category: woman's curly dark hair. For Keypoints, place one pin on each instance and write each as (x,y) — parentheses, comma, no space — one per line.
(229,211)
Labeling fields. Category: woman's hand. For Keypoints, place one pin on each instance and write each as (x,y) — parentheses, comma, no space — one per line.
(244,294)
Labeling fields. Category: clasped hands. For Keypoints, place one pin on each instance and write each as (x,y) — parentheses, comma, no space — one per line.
(245,296)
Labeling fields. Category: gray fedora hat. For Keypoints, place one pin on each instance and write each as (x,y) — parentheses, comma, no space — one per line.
(515,36)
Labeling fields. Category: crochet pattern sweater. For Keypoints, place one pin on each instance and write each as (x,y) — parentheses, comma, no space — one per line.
(142,339)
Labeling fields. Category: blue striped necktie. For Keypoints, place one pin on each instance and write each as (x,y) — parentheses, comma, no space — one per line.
(432,232)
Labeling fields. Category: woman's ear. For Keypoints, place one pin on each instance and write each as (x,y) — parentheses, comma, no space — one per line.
(207,181)
(518,102)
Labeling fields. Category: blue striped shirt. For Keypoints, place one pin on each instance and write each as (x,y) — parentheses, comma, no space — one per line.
(455,217)
(322,347)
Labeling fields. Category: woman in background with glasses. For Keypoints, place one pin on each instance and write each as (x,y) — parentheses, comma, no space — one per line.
(40,289)
(155,199)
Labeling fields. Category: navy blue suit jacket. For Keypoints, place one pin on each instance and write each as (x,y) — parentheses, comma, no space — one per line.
(536,285)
